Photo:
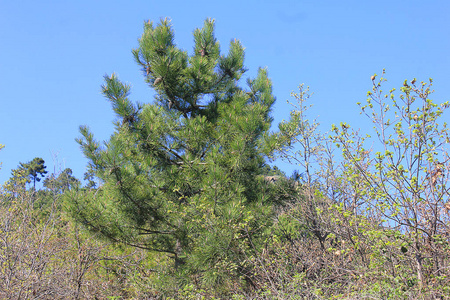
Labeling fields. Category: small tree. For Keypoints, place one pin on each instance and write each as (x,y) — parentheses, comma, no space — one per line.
(180,176)
(403,181)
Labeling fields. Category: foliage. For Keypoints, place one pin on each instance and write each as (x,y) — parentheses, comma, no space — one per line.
(34,169)
(370,224)
(89,177)
(187,208)
(404,182)
(50,257)
(63,182)
(181,176)
(17,182)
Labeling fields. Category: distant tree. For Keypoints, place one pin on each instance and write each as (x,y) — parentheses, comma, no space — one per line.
(34,169)
(89,177)
(17,182)
(64,181)
(182,175)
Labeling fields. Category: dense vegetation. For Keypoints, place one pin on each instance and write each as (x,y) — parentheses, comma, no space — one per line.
(181,203)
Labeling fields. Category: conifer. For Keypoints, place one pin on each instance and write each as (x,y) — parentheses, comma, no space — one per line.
(180,175)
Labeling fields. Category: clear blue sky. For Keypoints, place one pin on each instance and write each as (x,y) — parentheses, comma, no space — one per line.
(53,55)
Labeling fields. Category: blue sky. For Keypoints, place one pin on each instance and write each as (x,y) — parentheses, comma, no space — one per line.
(53,55)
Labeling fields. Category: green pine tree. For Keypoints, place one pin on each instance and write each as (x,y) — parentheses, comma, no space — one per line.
(181,175)
(34,169)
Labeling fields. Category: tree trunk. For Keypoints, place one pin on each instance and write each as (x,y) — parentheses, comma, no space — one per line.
(178,261)
(419,270)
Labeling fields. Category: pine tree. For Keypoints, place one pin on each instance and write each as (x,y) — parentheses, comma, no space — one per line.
(34,169)
(180,175)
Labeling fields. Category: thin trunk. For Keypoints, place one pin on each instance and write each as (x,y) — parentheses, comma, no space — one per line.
(419,269)
(178,250)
